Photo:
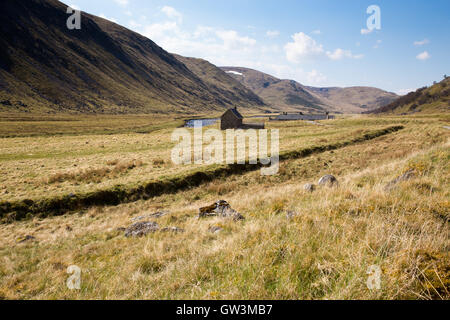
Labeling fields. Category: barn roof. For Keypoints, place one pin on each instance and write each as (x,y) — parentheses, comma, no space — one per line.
(236,113)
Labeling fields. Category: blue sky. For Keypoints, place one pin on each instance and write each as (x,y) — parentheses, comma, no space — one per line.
(316,42)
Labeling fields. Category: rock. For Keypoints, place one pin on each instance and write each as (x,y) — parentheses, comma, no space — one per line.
(172,229)
(141,229)
(328,180)
(215,229)
(408,175)
(220,209)
(309,187)
(25,239)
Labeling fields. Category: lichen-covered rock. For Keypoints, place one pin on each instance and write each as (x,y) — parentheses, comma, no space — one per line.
(328,180)
(408,175)
(141,229)
(220,209)
(309,187)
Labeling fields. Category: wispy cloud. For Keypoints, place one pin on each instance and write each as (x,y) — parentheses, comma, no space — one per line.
(423,56)
(272,33)
(172,13)
(377,44)
(422,42)
(315,77)
(366,31)
(122,3)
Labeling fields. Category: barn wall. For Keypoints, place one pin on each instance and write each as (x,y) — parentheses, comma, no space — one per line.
(230,121)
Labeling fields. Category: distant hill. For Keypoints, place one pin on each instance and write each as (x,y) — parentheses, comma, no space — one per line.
(435,99)
(289,95)
(102,68)
(354,99)
(221,83)
(285,95)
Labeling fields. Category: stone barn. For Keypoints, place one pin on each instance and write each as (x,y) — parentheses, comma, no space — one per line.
(232,119)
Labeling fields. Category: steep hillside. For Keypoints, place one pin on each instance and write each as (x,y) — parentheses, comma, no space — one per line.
(220,82)
(291,95)
(434,99)
(285,95)
(102,68)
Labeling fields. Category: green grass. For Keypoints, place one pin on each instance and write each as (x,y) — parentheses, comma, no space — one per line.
(322,252)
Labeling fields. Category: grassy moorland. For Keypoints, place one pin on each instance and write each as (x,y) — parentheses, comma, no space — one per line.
(321,250)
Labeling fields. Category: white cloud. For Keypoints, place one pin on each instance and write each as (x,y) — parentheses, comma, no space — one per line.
(422,42)
(122,3)
(423,56)
(303,47)
(366,31)
(172,13)
(316,32)
(232,40)
(159,30)
(272,34)
(315,77)
(340,54)
(306,48)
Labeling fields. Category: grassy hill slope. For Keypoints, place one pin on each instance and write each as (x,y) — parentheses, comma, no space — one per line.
(102,68)
(435,99)
(220,82)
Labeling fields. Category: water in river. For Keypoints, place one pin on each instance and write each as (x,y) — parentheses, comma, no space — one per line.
(202,122)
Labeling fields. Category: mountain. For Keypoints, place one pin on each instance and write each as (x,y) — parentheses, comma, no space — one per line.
(353,99)
(285,95)
(221,83)
(434,99)
(101,68)
(289,95)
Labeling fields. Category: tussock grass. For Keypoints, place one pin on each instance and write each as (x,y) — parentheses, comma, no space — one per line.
(59,205)
(322,251)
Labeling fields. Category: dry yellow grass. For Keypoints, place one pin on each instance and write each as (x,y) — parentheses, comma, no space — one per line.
(322,252)
(27,164)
